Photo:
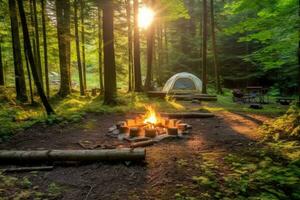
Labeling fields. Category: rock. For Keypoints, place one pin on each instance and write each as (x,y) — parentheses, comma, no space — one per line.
(256,106)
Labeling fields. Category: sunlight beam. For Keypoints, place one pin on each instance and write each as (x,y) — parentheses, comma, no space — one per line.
(146,17)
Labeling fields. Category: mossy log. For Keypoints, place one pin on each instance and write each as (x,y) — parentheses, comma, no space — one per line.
(187,115)
(125,154)
(182,115)
(183,96)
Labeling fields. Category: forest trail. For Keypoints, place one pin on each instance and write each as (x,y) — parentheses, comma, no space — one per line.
(169,168)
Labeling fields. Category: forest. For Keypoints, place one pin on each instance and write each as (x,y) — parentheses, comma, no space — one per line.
(149,99)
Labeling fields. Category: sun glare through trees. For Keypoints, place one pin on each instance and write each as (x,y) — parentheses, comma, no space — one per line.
(149,99)
(146,17)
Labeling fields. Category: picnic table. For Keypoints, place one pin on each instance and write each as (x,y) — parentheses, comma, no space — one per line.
(284,100)
(257,94)
(253,94)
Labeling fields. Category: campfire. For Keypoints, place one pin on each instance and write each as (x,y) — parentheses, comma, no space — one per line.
(150,126)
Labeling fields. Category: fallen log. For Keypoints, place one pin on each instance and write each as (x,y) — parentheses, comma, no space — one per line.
(187,115)
(182,115)
(125,154)
(194,97)
(27,169)
(143,144)
(182,95)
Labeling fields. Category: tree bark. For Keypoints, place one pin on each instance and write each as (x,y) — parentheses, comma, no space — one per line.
(110,84)
(29,55)
(18,64)
(299,59)
(137,59)
(2,81)
(45,48)
(125,154)
(29,77)
(100,49)
(214,47)
(82,90)
(83,44)
(204,47)
(37,39)
(130,63)
(166,44)
(32,30)
(150,44)
(63,32)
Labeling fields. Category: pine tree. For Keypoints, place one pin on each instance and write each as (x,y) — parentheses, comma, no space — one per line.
(29,55)
(110,84)
(82,90)
(2,82)
(18,64)
(214,47)
(45,47)
(137,59)
(63,32)
(204,48)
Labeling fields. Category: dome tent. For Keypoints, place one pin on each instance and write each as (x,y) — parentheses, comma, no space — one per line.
(183,83)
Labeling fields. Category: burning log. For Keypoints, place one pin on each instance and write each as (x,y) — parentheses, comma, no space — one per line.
(134,132)
(172,131)
(150,132)
(151,126)
(72,155)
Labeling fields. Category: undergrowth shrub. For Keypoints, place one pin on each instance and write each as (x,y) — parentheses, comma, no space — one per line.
(284,127)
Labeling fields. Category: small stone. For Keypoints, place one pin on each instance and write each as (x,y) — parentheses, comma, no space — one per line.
(127,163)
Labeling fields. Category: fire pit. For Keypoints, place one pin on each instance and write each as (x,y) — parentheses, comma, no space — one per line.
(149,126)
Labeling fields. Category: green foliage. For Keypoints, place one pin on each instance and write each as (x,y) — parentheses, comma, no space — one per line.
(270,31)
(260,178)
(286,126)
(22,188)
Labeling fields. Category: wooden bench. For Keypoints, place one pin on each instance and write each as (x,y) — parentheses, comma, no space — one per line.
(284,100)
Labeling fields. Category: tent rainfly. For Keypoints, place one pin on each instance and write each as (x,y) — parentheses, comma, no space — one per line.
(183,83)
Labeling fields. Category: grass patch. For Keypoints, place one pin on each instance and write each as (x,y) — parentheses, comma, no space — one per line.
(16,117)
(22,188)
(225,103)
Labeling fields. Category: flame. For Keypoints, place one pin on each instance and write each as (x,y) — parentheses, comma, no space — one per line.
(151,116)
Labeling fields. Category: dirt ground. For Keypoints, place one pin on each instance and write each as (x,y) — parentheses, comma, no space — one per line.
(157,178)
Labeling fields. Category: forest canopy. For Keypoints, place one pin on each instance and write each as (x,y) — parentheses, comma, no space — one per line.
(233,44)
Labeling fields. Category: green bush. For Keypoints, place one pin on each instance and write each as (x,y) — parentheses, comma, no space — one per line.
(284,127)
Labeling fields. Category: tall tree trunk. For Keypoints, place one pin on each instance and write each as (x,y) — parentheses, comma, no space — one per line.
(29,55)
(2,82)
(32,31)
(82,91)
(29,77)
(137,59)
(63,32)
(159,53)
(100,49)
(150,44)
(201,36)
(214,46)
(204,48)
(83,43)
(19,71)
(45,47)
(37,39)
(166,44)
(130,63)
(110,84)
(299,59)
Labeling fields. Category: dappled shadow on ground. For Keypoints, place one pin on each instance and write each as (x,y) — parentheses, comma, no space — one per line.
(169,164)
